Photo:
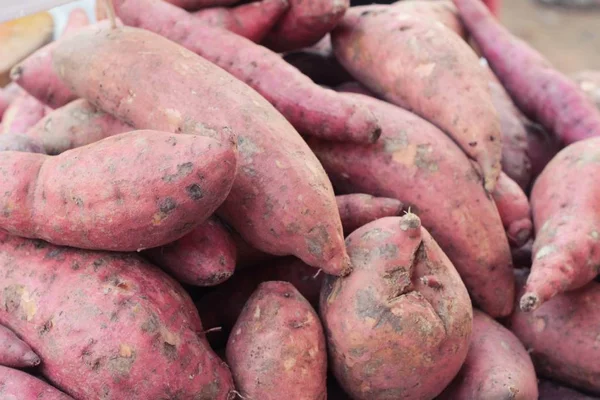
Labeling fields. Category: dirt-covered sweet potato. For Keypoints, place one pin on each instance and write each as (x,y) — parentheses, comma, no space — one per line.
(562,337)
(497,366)
(420,65)
(564,201)
(23,113)
(399,325)
(417,164)
(359,209)
(14,352)
(552,391)
(17,142)
(204,257)
(277,348)
(77,124)
(107,325)
(589,82)
(233,294)
(128,192)
(515,212)
(281,202)
(18,385)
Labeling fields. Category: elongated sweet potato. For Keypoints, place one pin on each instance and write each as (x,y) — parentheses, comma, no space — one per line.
(17,142)
(420,66)
(128,192)
(417,164)
(14,352)
(233,294)
(77,124)
(204,257)
(358,209)
(22,114)
(281,202)
(552,391)
(311,109)
(562,337)
(399,325)
(305,23)
(123,329)
(589,82)
(514,210)
(252,20)
(277,347)
(541,92)
(566,251)
(18,385)
(497,366)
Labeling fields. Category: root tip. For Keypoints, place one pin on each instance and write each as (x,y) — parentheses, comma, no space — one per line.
(529,302)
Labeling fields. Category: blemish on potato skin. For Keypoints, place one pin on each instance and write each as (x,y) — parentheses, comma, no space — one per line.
(194,191)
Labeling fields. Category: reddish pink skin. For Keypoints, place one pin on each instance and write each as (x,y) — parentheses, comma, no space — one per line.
(204,257)
(306,22)
(417,164)
(515,212)
(561,336)
(589,82)
(355,87)
(564,201)
(282,201)
(22,114)
(543,93)
(14,352)
(277,348)
(399,325)
(311,109)
(552,391)
(17,142)
(124,330)
(442,11)
(7,95)
(19,385)
(418,67)
(78,198)
(193,5)
(515,159)
(252,20)
(233,294)
(358,209)
(76,124)
(497,366)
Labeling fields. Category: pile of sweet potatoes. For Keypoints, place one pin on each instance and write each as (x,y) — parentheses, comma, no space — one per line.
(287,199)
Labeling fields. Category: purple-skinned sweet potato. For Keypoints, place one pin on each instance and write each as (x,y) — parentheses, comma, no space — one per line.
(22,114)
(359,209)
(123,329)
(204,257)
(281,202)
(18,385)
(562,337)
(566,251)
(399,325)
(77,124)
(419,64)
(14,352)
(128,192)
(277,348)
(417,164)
(18,142)
(515,212)
(552,391)
(497,366)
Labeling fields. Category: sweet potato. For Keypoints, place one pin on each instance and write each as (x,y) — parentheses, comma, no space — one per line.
(417,164)
(552,391)
(442,11)
(566,251)
(128,192)
(435,64)
(543,93)
(277,347)
(305,23)
(7,95)
(204,257)
(21,37)
(358,209)
(14,352)
(18,385)
(107,325)
(399,325)
(281,202)
(78,18)
(22,114)
(16,142)
(233,294)
(514,210)
(589,82)
(77,124)
(497,366)
(562,337)
(252,20)
(311,109)
(542,146)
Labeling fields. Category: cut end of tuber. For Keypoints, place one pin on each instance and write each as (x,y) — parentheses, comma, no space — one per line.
(529,302)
